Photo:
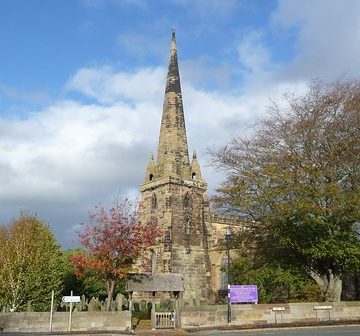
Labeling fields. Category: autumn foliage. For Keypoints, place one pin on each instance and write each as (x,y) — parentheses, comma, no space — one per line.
(114,239)
(295,182)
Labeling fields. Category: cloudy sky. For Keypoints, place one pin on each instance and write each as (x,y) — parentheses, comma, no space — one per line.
(82,83)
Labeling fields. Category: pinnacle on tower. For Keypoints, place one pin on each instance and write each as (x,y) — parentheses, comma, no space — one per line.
(150,170)
(195,169)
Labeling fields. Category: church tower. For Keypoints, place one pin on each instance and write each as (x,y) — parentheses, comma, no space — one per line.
(173,194)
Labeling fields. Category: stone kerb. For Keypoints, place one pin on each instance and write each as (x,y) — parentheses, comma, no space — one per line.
(81,321)
(245,314)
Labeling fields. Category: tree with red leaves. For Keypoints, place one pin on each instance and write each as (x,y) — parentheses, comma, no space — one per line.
(113,239)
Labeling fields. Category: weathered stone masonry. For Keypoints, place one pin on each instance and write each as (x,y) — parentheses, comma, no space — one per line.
(173,194)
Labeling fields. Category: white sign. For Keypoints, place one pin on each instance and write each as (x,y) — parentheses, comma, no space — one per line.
(278,308)
(323,307)
(71,299)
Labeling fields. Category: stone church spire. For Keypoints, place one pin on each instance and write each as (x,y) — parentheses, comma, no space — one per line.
(173,195)
(173,155)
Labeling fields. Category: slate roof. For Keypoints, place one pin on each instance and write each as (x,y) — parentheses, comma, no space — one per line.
(156,282)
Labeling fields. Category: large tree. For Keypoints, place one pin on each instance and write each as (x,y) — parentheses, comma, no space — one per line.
(295,183)
(88,283)
(113,239)
(30,264)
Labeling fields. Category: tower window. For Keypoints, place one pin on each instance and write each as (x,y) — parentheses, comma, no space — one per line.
(167,241)
(187,202)
(187,215)
(193,176)
(151,176)
(153,202)
(187,226)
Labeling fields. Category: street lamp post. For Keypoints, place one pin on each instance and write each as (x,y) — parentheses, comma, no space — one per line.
(228,236)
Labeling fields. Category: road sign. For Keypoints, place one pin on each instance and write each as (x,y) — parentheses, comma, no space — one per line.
(323,307)
(71,299)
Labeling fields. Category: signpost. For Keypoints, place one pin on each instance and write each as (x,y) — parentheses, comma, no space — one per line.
(276,310)
(243,294)
(51,310)
(70,299)
(317,308)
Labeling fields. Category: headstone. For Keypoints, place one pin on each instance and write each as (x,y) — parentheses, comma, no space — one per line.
(125,303)
(84,303)
(119,302)
(103,305)
(113,305)
(94,305)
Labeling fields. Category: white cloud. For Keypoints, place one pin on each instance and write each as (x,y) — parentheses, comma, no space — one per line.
(65,148)
(202,73)
(108,86)
(29,97)
(252,52)
(328,44)
(63,159)
(72,155)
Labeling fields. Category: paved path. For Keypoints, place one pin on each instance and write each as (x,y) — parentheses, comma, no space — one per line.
(161,332)
(305,331)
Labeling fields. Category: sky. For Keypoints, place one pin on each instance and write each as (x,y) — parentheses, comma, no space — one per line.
(82,85)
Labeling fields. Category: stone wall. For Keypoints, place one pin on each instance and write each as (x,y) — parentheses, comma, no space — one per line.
(81,321)
(200,316)
(216,230)
(244,314)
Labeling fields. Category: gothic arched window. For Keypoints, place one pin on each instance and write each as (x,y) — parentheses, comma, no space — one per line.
(153,202)
(187,201)
(187,213)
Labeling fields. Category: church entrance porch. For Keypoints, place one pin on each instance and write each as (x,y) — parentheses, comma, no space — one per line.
(144,283)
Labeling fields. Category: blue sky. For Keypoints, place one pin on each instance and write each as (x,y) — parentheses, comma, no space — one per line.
(82,82)
(45,42)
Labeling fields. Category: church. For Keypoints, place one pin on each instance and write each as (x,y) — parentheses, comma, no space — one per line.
(173,194)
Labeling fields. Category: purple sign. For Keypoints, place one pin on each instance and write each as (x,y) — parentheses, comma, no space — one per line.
(243,293)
